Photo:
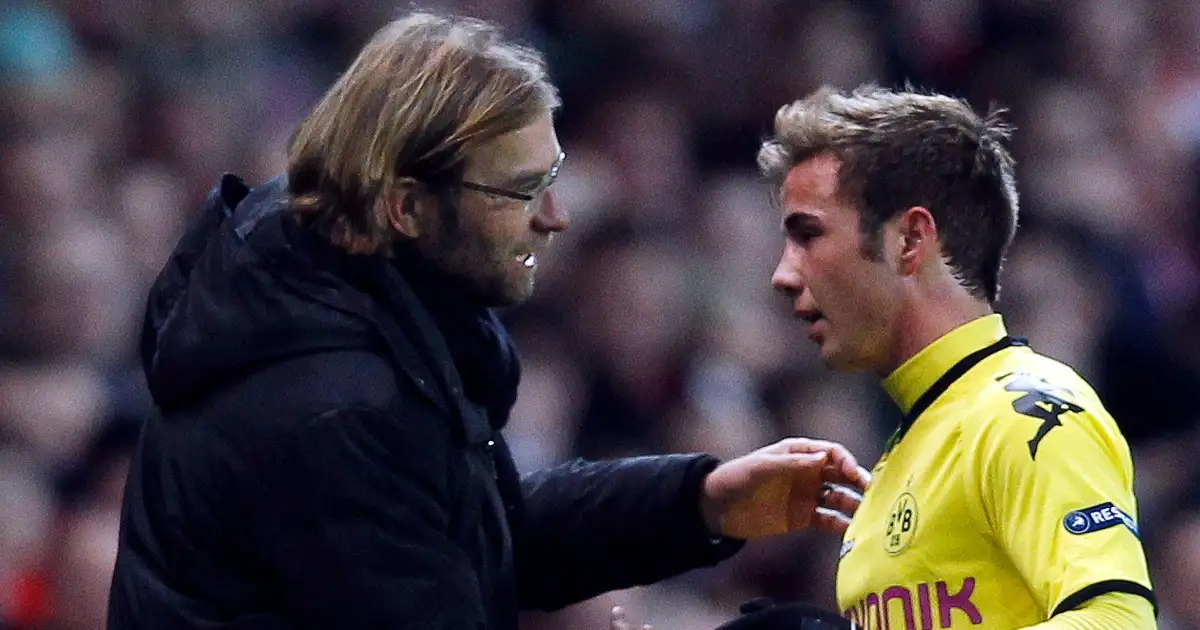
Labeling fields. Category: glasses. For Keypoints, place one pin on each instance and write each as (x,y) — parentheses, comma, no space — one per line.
(530,197)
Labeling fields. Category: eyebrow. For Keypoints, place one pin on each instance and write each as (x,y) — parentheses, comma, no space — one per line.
(526,179)
(795,220)
(531,178)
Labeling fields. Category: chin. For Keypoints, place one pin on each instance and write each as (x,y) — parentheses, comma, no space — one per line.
(837,360)
(507,301)
(522,296)
(834,363)
(511,294)
(498,290)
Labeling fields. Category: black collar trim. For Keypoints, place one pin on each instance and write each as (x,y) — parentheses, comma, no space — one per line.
(940,386)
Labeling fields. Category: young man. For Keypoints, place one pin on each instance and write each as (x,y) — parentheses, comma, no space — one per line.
(1005,499)
(333,382)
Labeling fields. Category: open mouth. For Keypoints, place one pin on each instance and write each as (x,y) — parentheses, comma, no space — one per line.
(529,261)
(812,317)
(816,325)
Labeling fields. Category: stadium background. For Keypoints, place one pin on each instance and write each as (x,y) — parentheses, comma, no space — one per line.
(654,328)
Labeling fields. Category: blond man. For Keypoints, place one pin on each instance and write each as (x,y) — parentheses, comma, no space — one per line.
(333,382)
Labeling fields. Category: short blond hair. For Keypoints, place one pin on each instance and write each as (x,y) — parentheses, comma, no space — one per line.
(423,92)
(903,148)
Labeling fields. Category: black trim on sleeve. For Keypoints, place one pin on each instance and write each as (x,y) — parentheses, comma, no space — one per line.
(1091,591)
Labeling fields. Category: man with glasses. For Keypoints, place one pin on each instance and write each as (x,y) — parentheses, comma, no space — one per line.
(333,382)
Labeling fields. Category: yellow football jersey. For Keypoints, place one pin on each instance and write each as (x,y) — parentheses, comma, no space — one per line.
(1005,498)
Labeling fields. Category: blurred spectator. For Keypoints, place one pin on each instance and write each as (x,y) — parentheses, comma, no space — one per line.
(88,513)
(62,583)
(1177,551)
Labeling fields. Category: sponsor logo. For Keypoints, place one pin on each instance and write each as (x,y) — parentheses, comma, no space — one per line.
(1042,401)
(1096,518)
(922,608)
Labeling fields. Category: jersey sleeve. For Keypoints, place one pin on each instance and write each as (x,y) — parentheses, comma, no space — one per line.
(1055,482)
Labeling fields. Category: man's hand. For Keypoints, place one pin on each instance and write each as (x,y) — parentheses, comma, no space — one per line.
(617,621)
(782,488)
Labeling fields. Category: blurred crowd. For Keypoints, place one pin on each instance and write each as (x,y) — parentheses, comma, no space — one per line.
(654,328)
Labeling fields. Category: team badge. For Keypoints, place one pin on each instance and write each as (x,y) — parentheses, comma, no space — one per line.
(902,524)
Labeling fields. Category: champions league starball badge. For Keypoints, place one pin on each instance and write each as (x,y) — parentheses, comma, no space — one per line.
(1076,522)
(1096,518)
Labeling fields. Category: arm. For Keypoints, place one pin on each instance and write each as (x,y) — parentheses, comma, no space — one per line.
(592,527)
(1111,611)
(352,524)
(599,526)
(1055,481)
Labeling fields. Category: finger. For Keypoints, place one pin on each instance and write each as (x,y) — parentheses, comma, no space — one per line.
(827,520)
(865,475)
(846,472)
(844,463)
(846,468)
(841,499)
(810,463)
(802,445)
(860,480)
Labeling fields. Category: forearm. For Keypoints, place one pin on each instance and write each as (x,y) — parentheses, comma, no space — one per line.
(629,522)
(1111,611)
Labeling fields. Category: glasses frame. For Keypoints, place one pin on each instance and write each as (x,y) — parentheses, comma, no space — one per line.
(529,197)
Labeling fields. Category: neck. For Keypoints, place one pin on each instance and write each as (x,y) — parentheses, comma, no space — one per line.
(438,290)
(924,321)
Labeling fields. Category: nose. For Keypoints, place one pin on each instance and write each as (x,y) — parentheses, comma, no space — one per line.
(549,218)
(786,279)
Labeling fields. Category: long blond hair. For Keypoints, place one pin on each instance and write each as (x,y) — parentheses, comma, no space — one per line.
(423,92)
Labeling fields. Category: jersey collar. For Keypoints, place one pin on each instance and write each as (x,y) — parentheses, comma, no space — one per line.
(915,376)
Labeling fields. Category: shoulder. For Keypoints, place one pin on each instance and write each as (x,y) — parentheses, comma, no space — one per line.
(323,405)
(1023,382)
(273,402)
(315,383)
(1027,401)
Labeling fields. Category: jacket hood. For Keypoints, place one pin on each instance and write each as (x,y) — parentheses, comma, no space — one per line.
(242,289)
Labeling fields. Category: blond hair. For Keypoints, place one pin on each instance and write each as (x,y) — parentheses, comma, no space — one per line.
(424,91)
(900,149)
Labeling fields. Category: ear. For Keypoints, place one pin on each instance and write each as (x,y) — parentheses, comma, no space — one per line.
(403,207)
(917,236)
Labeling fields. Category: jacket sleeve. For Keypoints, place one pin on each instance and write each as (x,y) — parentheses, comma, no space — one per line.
(353,527)
(593,527)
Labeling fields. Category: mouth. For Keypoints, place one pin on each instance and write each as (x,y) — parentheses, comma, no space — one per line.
(817,324)
(810,316)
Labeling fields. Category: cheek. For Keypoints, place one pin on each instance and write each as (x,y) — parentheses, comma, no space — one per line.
(875,294)
(848,286)
(479,239)
(493,243)
(830,275)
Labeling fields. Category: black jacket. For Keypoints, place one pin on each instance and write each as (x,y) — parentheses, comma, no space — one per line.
(330,456)
(764,614)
